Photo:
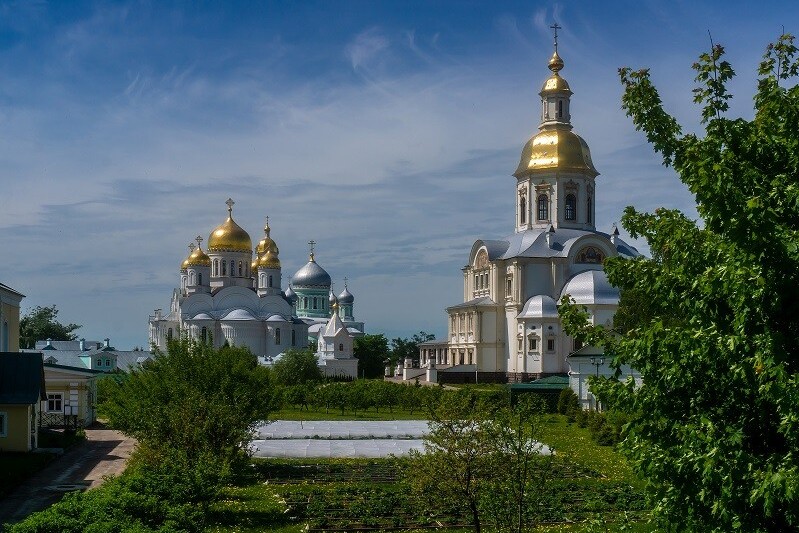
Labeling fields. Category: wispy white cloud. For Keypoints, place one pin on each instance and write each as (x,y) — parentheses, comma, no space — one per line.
(366,47)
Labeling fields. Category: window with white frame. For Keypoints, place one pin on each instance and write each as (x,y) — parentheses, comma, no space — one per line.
(55,402)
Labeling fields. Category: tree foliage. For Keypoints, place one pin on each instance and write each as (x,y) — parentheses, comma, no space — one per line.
(371,351)
(41,323)
(483,458)
(402,348)
(194,399)
(715,425)
(297,367)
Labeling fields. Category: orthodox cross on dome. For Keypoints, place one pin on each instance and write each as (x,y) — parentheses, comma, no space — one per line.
(311,244)
(267,228)
(199,240)
(555,27)
(191,246)
(346,279)
(230,203)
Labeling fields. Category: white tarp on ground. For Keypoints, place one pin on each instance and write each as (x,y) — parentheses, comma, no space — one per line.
(335,447)
(344,429)
(284,438)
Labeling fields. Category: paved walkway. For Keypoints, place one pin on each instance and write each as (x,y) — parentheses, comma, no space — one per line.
(103,453)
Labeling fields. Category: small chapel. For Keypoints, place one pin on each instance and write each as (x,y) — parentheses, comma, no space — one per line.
(228,295)
(507,328)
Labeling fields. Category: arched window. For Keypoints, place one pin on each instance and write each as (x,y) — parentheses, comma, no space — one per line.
(99,362)
(315,304)
(204,334)
(341,347)
(293,338)
(523,210)
(277,336)
(199,278)
(270,280)
(232,268)
(241,269)
(169,334)
(216,267)
(588,210)
(224,268)
(305,302)
(543,207)
(108,362)
(560,109)
(191,278)
(571,207)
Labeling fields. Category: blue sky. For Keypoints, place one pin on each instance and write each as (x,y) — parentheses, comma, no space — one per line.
(385,131)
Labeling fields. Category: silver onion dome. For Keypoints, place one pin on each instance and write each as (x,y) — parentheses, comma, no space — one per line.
(311,275)
(346,297)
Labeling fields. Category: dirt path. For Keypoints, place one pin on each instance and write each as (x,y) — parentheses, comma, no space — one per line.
(104,452)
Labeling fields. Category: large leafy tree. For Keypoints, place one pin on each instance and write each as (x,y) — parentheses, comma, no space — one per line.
(41,323)
(192,400)
(715,425)
(371,351)
(297,367)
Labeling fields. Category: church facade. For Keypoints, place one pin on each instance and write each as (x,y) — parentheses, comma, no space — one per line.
(230,295)
(507,327)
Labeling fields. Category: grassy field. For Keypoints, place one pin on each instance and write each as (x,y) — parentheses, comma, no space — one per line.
(590,489)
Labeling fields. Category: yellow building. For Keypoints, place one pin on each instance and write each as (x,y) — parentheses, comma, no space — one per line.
(21,391)
(71,396)
(9,318)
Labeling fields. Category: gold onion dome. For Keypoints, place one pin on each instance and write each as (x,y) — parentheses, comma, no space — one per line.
(556,149)
(185,262)
(267,243)
(269,260)
(229,236)
(197,258)
(555,83)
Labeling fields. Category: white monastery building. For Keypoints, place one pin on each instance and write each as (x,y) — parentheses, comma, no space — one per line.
(227,295)
(507,328)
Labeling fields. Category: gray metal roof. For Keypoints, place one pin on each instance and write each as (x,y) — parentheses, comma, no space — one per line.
(591,288)
(539,306)
(533,243)
(67,345)
(125,359)
(21,378)
(311,275)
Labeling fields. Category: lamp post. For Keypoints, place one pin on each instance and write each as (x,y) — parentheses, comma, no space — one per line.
(597,362)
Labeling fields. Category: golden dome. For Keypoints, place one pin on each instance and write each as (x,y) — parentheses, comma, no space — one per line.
(185,262)
(198,258)
(254,264)
(555,62)
(229,236)
(555,149)
(269,260)
(266,243)
(555,84)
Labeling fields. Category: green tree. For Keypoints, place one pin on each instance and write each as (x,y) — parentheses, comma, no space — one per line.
(192,399)
(518,478)
(297,367)
(715,425)
(402,348)
(454,468)
(371,351)
(41,323)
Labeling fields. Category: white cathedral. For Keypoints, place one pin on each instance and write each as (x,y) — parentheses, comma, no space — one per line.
(228,297)
(507,327)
